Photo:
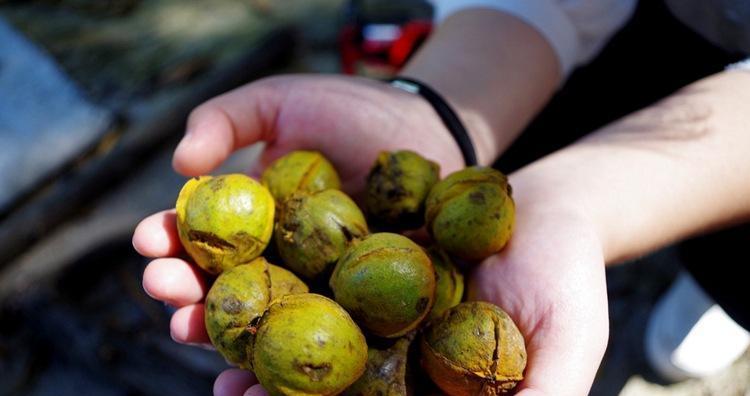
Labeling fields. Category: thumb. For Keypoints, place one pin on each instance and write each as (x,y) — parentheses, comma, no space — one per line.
(227,123)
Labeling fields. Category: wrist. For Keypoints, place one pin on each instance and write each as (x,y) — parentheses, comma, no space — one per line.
(469,130)
(423,124)
(544,189)
(495,70)
(445,112)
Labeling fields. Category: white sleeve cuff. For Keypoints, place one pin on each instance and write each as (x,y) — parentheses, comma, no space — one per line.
(741,65)
(545,16)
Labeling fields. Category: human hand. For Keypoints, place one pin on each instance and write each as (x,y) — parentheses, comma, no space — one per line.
(350,120)
(670,171)
(550,280)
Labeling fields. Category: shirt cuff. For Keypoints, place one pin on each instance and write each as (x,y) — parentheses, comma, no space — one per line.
(547,17)
(741,65)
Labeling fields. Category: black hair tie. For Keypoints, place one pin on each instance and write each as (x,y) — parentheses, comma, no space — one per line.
(444,111)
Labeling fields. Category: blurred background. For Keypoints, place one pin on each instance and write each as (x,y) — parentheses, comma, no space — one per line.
(93,99)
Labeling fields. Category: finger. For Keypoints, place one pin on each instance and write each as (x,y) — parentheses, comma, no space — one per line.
(174,281)
(565,333)
(233,382)
(187,327)
(547,377)
(156,235)
(226,123)
(564,361)
(256,390)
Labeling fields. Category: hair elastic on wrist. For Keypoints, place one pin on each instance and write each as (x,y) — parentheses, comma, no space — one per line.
(444,111)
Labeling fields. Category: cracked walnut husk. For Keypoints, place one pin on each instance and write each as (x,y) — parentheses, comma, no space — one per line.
(238,297)
(386,282)
(470,213)
(224,221)
(306,344)
(314,229)
(300,170)
(474,349)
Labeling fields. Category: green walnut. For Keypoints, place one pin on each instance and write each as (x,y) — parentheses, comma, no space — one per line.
(238,296)
(470,213)
(450,283)
(386,372)
(474,349)
(300,171)
(386,282)
(224,221)
(314,229)
(306,344)
(283,282)
(397,187)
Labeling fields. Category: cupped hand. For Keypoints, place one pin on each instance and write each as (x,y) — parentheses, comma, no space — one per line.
(350,120)
(550,279)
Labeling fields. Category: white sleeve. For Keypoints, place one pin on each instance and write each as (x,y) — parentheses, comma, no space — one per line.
(576,29)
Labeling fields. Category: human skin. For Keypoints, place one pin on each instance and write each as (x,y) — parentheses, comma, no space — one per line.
(673,170)
(351,120)
(670,171)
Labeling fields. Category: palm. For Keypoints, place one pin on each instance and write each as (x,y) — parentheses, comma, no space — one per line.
(550,279)
(350,120)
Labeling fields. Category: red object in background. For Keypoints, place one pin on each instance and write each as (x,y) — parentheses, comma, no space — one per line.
(413,34)
(380,45)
